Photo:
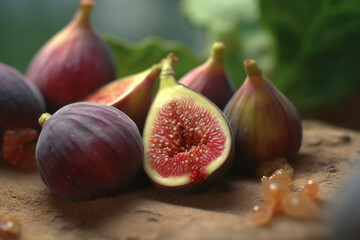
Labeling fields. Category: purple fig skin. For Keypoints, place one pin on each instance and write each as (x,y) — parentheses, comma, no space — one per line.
(88,150)
(265,123)
(73,63)
(21,103)
(210,78)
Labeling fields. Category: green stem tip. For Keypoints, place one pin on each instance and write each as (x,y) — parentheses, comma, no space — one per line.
(251,67)
(43,118)
(168,63)
(83,14)
(218,51)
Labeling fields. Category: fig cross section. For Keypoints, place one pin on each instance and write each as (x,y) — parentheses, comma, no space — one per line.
(187,139)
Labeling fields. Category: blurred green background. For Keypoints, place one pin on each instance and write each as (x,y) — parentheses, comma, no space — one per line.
(309,49)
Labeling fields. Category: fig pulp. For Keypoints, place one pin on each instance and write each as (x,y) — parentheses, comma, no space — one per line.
(88,150)
(210,78)
(132,94)
(187,140)
(74,63)
(265,123)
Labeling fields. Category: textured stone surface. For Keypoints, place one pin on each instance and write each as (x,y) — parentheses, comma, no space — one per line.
(222,212)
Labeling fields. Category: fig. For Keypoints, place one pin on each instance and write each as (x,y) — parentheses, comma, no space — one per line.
(187,140)
(132,94)
(21,104)
(266,125)
(88,150)
(73,63)
(210,78)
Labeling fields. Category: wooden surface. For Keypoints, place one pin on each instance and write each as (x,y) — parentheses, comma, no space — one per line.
(221,212)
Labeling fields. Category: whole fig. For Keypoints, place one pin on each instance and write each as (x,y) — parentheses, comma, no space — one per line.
(21,103)
(73,63)
(88,150)
(210,78)
(265,123)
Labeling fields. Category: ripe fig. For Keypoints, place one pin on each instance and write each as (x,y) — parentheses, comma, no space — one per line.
(74,63)
(21,104)
(210,78)
(187,140)
(132,94)
(88,150)
(265,123)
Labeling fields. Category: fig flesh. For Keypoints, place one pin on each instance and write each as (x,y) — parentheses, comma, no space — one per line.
(187,140)
(88,150)
(210,78)
(72,64)
(132,94)
(265,123)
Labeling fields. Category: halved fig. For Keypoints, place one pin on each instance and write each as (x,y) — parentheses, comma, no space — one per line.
(132,94)
(187,140)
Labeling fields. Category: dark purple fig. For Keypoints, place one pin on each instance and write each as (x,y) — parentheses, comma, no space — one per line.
(210,78)
(265,123)
(21,103)
(88,150)
(73,63)
(187,140)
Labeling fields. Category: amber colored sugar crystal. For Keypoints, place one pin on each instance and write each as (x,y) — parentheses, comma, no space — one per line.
(278,198)
(19,147)
(262,214)
(298,206)
(269,167)
(9,227)
(311,190)
(279,176)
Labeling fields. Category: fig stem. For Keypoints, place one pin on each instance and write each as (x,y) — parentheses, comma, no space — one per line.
(167,76)
(43,118)
(82,16)
(251,67)
(218,52)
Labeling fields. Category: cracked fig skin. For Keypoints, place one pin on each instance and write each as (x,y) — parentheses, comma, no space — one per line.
(187,140)
(266,125)
(73,63)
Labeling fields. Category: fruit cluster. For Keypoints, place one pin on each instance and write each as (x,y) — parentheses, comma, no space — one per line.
(91,145)
(278,198)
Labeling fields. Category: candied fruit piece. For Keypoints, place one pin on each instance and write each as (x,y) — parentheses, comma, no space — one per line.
(298,206)
(274,193)
(311,190)
(269,167)
(279,176)
(19,147)
(9,227)
(262,214)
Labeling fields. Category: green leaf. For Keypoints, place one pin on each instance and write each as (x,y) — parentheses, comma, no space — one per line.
(135,57)
(317,48)
(236,24)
